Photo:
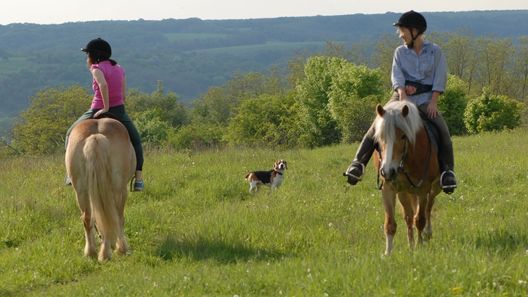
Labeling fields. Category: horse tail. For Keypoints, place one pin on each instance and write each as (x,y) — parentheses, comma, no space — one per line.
(100,190)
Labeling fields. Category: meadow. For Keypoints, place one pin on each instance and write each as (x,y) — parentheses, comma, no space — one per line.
(196,231)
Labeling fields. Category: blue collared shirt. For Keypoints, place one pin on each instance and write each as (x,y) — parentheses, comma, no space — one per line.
(428,68)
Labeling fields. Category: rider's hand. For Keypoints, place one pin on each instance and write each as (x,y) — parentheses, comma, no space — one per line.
(100,112)
(432,110)
(410,90)
(402,93)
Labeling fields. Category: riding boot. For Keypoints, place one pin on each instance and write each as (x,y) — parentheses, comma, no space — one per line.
(356,169)
(448,180)
(446,160)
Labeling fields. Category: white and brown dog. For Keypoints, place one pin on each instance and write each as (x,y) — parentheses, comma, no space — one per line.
(272,177)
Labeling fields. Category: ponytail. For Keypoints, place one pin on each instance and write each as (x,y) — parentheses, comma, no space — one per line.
(100,56)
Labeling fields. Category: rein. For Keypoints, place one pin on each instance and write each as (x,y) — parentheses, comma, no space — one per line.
(401,168)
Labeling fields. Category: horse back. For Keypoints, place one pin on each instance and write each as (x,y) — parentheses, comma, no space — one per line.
(120,151)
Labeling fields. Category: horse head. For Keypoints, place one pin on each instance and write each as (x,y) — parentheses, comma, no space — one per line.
(396,126)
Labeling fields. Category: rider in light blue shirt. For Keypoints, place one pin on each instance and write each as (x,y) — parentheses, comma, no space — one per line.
(419,75)
(427,68)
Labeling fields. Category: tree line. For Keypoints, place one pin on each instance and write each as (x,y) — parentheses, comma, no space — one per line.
(322,99)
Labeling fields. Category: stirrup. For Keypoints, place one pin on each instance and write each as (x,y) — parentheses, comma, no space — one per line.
(354,178)
(450,188)
(362,171)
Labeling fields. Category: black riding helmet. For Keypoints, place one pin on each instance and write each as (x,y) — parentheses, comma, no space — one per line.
(99,49)
(412,19)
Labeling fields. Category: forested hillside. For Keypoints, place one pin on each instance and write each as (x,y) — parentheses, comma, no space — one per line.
(191,55)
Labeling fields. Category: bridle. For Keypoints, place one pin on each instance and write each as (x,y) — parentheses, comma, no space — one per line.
(401,167)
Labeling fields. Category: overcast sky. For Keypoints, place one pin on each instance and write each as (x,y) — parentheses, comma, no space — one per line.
(61,11)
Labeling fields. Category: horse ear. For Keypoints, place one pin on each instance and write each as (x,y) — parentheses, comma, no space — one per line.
(405,110)
(379,110)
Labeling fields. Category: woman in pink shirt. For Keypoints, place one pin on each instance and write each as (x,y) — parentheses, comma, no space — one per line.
(109,87)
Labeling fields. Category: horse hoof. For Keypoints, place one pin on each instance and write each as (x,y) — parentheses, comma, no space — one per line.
(90,253)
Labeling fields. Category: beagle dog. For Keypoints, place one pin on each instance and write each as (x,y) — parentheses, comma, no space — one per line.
(272,177)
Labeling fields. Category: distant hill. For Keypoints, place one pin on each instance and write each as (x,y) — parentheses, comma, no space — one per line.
(190,55)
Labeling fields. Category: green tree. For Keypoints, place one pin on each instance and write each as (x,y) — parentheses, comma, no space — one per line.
(219,104)
(41,128)
(167,106)
(383,55)
(521,67)
(319,126)
(353,96)
(265,120)
(460,55)
(496,61)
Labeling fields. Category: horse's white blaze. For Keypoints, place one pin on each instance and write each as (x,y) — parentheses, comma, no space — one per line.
(388,163)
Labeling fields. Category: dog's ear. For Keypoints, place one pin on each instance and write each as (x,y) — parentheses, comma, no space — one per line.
(285,164)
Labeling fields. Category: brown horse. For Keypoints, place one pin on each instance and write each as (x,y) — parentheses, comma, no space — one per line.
(408,165)
(100,161)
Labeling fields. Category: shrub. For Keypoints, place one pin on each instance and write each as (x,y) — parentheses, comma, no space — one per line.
(319,126)
(196,136)
(151,127)
(492,113)
(265,120)
(353,97)
(453,103)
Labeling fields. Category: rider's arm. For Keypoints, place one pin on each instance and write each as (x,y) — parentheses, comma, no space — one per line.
(103,86)
(397,77)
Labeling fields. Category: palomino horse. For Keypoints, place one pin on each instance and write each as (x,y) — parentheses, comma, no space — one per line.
(100,161)
(408,165)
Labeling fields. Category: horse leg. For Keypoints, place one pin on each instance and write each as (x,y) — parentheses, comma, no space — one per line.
(408,205)
(420,218)
(389,199)
(88,223)
(428,231)
(105,251)
(122,245)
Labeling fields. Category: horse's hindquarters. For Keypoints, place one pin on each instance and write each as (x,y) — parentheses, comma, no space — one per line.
(100,161)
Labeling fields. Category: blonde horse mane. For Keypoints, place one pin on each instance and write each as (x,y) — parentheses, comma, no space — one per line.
(385,126)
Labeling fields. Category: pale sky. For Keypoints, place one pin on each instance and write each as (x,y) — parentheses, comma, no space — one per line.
(61,11)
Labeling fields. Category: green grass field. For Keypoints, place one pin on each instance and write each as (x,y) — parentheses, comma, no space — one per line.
(196,231)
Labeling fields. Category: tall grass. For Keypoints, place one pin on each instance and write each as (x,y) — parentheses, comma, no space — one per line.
(196,231)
